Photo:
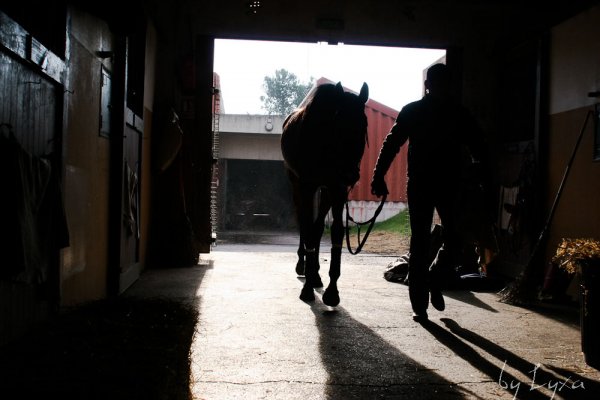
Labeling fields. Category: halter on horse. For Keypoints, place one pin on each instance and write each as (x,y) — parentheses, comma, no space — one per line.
(322,144)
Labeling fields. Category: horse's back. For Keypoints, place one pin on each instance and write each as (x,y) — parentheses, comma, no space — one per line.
(290,143)
(307,153)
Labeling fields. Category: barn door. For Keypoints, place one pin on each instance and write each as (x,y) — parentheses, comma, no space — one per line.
(127,87)
(33,227)
(130,214)
(131,264)
(198,144)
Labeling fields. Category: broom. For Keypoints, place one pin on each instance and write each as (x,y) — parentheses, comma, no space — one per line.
(522,290)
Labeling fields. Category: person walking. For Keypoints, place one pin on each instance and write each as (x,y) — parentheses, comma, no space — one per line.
(439,130)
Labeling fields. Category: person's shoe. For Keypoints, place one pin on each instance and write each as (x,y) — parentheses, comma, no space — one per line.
(437,299)
(420,316)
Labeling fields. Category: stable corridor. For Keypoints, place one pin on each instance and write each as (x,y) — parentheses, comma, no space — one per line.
(256,340)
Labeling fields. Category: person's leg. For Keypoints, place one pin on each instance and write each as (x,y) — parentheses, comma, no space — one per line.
(447,258)
(420,207)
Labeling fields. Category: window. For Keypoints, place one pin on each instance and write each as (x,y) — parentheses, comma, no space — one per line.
(105,104)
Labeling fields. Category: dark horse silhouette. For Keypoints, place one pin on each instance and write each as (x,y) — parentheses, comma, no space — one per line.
(322,144)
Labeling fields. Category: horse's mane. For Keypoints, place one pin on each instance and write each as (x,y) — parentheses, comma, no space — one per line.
(314,104)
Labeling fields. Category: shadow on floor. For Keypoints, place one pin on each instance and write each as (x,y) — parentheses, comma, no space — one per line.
(136,346)
(362,365)
(566,384)
(121,349)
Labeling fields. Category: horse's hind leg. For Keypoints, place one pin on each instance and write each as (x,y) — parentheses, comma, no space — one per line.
(301,258)
(308,228)
(331,296)
(303,216)
(300,264)
(296,192)
(313,280)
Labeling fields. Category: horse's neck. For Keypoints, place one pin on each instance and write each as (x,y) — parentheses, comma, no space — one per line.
(319,127)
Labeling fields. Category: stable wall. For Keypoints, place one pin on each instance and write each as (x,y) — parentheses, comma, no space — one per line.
(88,155)
(250,147)
(574,72)
(86,162)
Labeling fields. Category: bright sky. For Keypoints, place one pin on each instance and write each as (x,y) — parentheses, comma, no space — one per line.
(394,75)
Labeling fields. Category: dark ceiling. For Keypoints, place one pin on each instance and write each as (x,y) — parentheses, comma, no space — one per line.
(432,23)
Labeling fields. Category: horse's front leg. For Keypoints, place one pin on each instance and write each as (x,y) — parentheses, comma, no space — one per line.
(331,296)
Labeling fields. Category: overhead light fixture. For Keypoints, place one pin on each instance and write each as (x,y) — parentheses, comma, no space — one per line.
(252,7)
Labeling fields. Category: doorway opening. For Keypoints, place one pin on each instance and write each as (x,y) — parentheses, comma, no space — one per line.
(260,82)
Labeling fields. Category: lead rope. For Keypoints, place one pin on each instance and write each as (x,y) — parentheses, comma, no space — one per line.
(370,222)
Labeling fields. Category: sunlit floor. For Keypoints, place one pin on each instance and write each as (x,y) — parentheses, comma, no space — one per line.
(255,339)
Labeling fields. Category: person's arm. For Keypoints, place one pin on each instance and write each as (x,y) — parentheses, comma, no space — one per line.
(391,146)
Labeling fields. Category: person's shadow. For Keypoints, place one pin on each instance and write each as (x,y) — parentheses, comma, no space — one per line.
(362,365)
(468,297)
(563,383)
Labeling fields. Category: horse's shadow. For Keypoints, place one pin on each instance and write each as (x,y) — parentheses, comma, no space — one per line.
(360,364)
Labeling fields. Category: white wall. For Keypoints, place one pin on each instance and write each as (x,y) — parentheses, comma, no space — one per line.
(250,137)
(250,147)
(364,210)
(575,62)
(245,123)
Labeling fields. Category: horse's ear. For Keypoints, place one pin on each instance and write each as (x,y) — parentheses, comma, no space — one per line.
(339,88)
(364,93)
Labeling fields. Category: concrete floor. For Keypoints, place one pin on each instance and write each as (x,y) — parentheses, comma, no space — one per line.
(256,340)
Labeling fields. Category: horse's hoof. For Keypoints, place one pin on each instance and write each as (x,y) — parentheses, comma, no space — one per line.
(300,268)
(307,294)
(331,298)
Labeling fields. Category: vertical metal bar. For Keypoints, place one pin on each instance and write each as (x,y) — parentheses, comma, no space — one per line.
(119,85)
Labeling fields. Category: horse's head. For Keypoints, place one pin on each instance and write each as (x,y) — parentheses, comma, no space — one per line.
(351,128)
(327,132)
(350,116)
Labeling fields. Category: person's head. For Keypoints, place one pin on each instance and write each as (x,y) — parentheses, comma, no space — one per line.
(437,81)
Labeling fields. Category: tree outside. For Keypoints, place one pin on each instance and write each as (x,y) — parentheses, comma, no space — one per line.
(283,92)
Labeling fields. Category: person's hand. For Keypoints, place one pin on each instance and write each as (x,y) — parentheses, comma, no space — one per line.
(378,186)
